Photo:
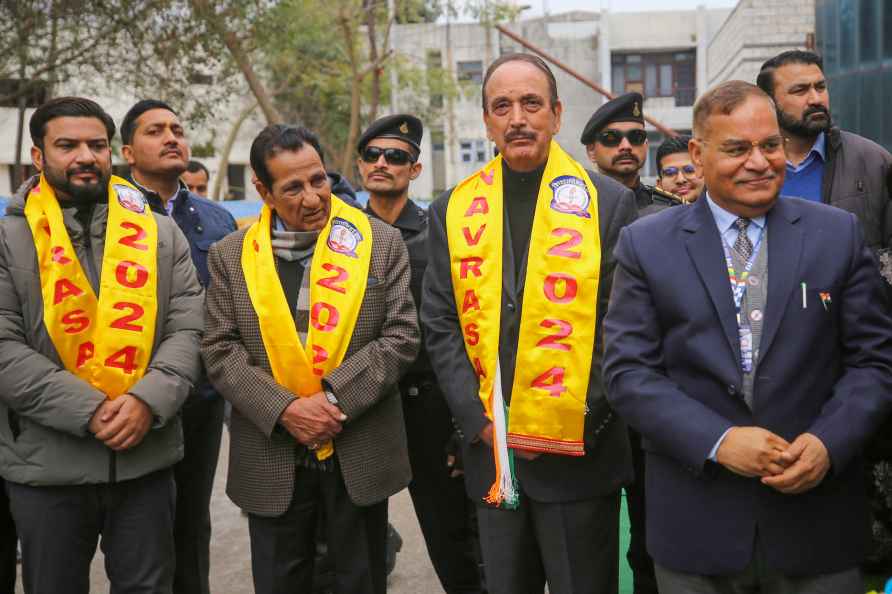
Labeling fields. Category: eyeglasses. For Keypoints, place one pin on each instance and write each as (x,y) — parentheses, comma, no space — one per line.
(742,149)
(613,138)
(393,156)
(687,170)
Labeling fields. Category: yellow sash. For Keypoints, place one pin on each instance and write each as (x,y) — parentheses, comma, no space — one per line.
(557,324)
(338,278)
(106,341)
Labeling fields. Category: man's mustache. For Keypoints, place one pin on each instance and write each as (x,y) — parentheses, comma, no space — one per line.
(815,109)
(625,157)
(88,169)
(520,135)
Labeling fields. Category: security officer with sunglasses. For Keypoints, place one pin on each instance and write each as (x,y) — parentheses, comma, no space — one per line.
(616,143)
(388,162)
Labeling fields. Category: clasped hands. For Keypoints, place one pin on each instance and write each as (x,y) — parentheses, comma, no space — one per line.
(313,420)
(790,468)
(121,423)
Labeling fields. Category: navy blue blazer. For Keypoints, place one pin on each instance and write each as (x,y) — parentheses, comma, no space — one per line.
(672,371)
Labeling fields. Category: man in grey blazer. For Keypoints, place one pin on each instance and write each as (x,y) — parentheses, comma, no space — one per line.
(274,473)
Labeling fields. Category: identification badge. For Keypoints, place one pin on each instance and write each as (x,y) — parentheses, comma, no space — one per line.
(746,349)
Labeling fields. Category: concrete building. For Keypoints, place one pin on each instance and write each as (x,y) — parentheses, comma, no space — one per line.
(660,54)
(237,176)
(755,31)
(669,56)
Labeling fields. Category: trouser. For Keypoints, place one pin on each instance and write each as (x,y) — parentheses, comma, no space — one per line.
(757,578)
(572,546)
(283,548)
(8,543)
(202,431)
(60,526)
(443,509)
(645,582)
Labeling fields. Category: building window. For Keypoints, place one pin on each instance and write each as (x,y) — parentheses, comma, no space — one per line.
(470,72)
(11,89)
(473,151)
(235,178)
(868,18)
(466,151)
(434,63)
(668,74)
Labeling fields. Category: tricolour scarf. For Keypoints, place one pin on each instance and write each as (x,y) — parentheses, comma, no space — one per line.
(557,325)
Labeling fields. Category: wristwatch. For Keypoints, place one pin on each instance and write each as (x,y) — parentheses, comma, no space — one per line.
(329,395)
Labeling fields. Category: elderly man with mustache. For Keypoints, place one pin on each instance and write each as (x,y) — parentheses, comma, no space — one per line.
(517,283)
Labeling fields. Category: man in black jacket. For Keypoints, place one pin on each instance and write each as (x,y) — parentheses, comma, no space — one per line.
(826,164)
(564,529)
(156,148)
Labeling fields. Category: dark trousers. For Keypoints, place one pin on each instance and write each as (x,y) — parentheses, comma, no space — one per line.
(202,431)
(60,526)
(443,509)
(757,578)
(283,548)
(8,541)
(644,579)
(573,546)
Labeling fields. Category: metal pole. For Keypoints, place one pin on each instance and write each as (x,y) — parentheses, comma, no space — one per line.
(393,78)
(584,80)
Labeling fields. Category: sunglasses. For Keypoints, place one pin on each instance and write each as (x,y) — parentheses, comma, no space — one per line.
(613,138)
(687,170)
(393,156)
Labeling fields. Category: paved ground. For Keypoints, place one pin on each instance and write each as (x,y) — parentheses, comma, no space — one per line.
(230,556)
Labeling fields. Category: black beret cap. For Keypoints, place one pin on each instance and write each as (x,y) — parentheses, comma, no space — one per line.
(625,108)
(401,126)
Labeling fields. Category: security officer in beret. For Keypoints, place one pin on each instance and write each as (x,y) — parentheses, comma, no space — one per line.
(388,162)
(616,143)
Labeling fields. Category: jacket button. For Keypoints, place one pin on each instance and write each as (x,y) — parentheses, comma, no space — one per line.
(199,228)
(191,209)
(732,389)
(510,306)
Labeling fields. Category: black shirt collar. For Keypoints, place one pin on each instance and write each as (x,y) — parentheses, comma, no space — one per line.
(411,217)
(154,199)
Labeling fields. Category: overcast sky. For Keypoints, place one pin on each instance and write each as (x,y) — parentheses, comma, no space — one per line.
(537,7)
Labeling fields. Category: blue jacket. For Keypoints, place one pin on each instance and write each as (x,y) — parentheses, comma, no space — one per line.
(672,371)
(203,223)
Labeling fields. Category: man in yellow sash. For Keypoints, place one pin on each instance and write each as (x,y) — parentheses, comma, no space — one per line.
(99,335)
(310,324)
(514,293)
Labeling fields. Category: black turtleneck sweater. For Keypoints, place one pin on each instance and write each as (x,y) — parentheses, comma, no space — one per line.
(520,192)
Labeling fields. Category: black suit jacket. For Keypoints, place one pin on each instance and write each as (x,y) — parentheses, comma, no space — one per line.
(672,370)
(606,465)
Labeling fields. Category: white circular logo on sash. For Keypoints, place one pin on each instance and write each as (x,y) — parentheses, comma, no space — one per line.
(344,237)
(570,196)
(130,198)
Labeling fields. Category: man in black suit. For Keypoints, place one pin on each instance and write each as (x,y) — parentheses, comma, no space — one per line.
(750,344)
(563,529)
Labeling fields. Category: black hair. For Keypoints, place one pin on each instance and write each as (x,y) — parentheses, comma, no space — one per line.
(77,107)
(128,126)
(276,138)
(670,146)
(196,166)
(765,80)
(536,61)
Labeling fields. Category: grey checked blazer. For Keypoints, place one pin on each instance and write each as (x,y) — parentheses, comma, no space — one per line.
(371,448)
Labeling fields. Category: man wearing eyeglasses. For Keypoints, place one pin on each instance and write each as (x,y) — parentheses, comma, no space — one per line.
(616,143)
(749,341)
(388,163)
(677,173)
